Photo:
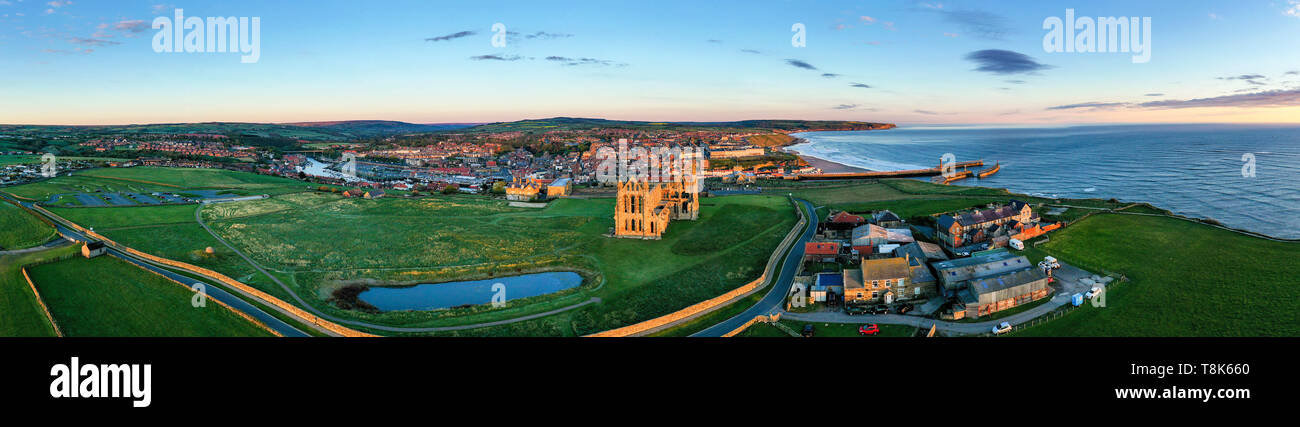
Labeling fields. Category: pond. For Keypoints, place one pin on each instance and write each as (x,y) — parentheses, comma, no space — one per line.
(455,294)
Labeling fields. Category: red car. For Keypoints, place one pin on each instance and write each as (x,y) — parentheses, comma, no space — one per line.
(871,329)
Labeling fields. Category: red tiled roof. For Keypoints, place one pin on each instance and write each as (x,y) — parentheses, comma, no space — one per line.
(845,217)
(821,248)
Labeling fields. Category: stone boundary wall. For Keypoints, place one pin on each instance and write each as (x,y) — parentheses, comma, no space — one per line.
(718,301)
(757,319)
(40,301)
(267,298)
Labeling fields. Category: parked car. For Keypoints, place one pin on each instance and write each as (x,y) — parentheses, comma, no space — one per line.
(871,329)
(1002,328)
(904,308)
(808,330)
(1096,290)
(880,309)
(854,310)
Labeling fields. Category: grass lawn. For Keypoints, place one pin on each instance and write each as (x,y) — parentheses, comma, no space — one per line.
(152,179)
(911,198)
(105,218)
(20,314)
(25,159)
(19,229)
(106,297)
(1187,279)
(316,242)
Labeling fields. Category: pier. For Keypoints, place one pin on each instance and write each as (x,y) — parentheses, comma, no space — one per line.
(960,167)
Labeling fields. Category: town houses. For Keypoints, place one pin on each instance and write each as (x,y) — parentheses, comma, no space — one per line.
(994,227)
(875,259)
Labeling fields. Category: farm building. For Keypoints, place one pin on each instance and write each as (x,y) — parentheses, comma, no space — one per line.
(989,295)
(955,274)
(93,249)
(829,286)
(354,193)
(887,219)
(876,281)
(821,251)
(922,282)
(374,194)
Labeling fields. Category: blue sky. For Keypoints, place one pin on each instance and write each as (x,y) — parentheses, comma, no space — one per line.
(92,62)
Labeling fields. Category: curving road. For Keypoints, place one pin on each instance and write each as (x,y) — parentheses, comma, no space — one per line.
(301,303)
(771,303)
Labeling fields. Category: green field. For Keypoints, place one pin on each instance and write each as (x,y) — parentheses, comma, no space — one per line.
(107,297)
(316,242)
(19,229)
(151,179)
(33,159)
(20,314)
(914,198)
(1187,279)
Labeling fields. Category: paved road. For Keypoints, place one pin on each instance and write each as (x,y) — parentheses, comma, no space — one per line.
(48,245)
(771,303)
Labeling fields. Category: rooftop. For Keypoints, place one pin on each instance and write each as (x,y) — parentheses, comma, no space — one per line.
(885,269)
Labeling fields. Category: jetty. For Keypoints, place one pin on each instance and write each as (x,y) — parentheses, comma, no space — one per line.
(990,171)
(962,169)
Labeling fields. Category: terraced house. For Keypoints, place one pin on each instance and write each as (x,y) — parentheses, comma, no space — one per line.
(877,281)
(963,229)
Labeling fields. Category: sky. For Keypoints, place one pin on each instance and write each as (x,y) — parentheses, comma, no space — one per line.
(901,61)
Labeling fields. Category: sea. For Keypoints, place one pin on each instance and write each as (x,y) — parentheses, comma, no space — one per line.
(1244,176)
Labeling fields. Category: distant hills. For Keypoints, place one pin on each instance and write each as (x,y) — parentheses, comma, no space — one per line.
(571,123)
(371,129)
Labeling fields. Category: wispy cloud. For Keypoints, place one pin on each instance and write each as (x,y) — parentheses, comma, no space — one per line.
(927,112)
(451,36)
(543,35)
(1088,105)
(753,51)
(496,58)
(1154,94)
(860,85)
(1294,9)
(800,64)
(1271,98)
(999,61)
(845,107)
(584,61)
(1255,79)
(830,75)
(92,42)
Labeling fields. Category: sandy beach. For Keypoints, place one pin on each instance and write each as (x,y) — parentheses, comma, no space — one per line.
(826,166)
